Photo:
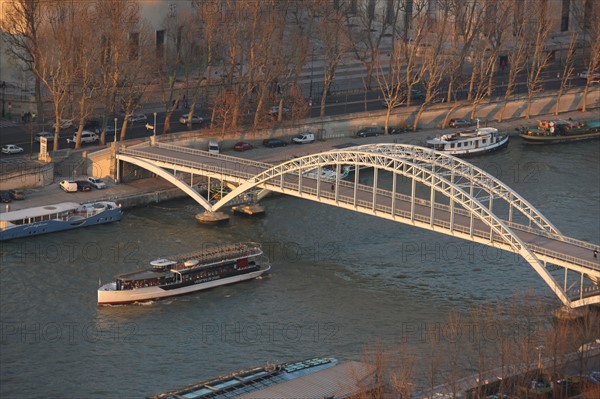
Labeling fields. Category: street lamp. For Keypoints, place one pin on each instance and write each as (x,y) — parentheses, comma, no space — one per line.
(154,124)
(3,86)
(115,130)
(312,66)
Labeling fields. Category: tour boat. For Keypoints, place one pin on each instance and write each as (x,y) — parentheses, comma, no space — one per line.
(57,217)
(561,131)
(185,274)
(470,143)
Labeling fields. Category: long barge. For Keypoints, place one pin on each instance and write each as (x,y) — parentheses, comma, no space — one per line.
(57,217)
(561,131)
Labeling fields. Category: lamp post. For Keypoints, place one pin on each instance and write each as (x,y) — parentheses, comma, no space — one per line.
(312,65)
(115,130)
(3,86)
(154,124)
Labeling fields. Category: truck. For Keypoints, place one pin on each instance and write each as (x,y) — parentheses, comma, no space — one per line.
(304,138)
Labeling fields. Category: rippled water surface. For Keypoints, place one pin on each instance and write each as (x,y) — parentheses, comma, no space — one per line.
(340,281)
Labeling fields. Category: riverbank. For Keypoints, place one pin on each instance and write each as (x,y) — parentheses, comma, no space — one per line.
(147,191)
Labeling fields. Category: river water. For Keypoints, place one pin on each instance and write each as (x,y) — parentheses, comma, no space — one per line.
(339,282)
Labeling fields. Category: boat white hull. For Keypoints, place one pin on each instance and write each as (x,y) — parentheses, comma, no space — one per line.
(108,295)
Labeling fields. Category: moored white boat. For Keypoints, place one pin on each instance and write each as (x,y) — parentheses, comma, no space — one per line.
(185,274)
(56,217)
(470,143)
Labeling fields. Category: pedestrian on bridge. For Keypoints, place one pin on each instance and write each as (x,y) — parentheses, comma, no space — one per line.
(595,253)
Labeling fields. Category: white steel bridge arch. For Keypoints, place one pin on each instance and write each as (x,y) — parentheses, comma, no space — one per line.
(440,173)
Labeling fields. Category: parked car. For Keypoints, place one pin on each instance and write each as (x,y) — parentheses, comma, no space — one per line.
(138,118)
(274,111)
(5,197)
(185,118)
(213,147)
(86,137)
(11,149)
(585,74)
(274,143)
(64,124)
(93,125)
(16,194)
(47,135)
(242,146)
(97,183)
(368,132)
(83,185)
(456,123)
(304,138)
(68,186)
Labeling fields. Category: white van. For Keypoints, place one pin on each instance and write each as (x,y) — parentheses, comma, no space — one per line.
(213,147)
(86,137)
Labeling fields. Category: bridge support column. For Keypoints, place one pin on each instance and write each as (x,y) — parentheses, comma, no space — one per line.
(375,181)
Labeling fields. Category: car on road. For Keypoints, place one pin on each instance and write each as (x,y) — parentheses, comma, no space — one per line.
(271,143)
(93,125)
(195,119)
(68,186)
(242,146)
(11,149)
(96,183)
(274,110)
(5,197)
(49,136)
(64,124)
(83,185)
(457,123)
(138,118)
(369,132)
(304,138)
(16,194)
(86,137)
(585,74)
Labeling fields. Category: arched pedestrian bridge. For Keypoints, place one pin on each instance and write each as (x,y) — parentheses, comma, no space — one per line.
(428,189)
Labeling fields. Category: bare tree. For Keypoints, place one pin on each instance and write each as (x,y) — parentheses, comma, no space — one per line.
(434,66)
(21,20)
(392,81)
(568,69)
(135,74)
(334,38)
(540,58)
(468,21)
(370,25)
(588,19)
(119,19)
(516,62)
(481,84)
(54,64)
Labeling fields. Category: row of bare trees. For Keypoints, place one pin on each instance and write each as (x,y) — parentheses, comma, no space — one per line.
(238,57)
(494,350)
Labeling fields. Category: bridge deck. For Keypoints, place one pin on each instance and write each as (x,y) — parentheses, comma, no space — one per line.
(560,248)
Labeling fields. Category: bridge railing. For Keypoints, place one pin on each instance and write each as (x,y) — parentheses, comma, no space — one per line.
(557,237)
(194,151)
(563,257)
(192,164)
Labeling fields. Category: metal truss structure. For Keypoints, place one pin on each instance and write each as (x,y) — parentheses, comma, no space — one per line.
(428,189)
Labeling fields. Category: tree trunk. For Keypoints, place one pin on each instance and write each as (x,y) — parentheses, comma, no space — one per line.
(584,98)
(38,97)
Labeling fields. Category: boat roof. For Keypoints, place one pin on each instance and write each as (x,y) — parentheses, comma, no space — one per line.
(464,135)
(320,377)
(204,258)
(39,211)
